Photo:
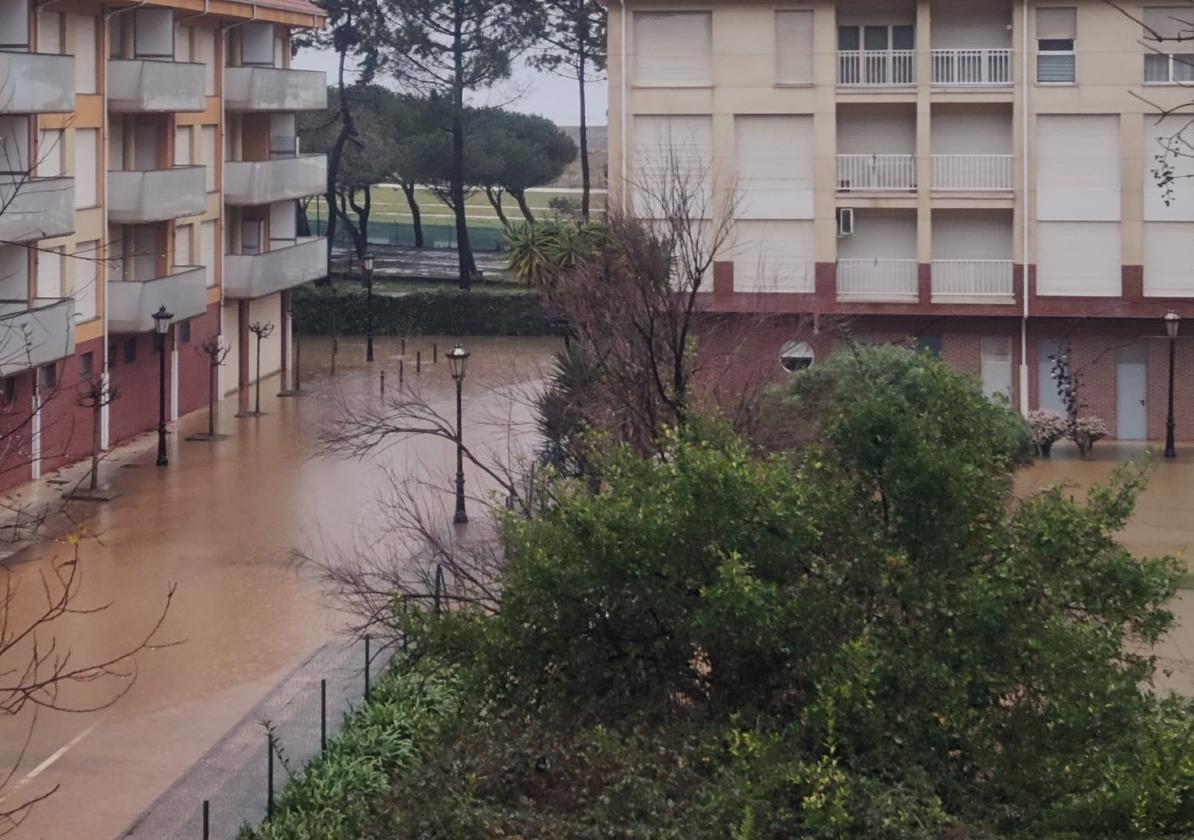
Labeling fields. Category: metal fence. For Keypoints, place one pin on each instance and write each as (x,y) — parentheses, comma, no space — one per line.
(434,236)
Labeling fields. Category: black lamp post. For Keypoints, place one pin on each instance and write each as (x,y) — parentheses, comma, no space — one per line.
(161,326)
(458,360)
(1173,323)
(367,261)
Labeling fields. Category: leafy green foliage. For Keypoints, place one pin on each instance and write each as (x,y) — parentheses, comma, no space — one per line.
(543,252)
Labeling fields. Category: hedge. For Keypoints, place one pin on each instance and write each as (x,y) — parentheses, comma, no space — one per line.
(342,311)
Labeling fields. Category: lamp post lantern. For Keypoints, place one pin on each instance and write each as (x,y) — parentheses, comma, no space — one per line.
(367,261)
(1173,323)
(458,361)
(161,326)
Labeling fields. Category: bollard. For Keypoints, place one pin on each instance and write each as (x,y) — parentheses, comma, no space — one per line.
(401,373)
(434,353)
(206,821)
(323,715)
(335,350)
(383,383)
(368,639)
(418,361)
(439,585)
(403,345)
(269,790)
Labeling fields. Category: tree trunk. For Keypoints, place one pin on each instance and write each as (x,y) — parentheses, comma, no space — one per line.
(346,130)
(585,177)
(416,215)
(496,200)
(521,197)
(361,233)
(464,250)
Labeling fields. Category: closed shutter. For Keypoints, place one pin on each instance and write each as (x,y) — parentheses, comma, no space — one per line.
(182,245)
(49,273)
(1168,23)
(205,52)
(207,249)
(207,150)
(49,32)
(673,49)
(1168,170)
(793,47)
(116,145)
(282,134)
(182,145)
(1168,258)
(671,154)
(14,25)
(153,33)
(257,44)
(86,163)
(14,144)
(1056,24)
(997,365)
(774,257)
(182,45)
(86,265)
(85,74)
(1079,258)
(279,51)
(49,153)
(774,166)
(1078,174)
(282,223)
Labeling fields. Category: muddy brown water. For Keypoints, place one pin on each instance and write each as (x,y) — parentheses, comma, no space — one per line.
(220,524)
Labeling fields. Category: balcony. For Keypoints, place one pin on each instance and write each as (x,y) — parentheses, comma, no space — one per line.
(876,68)
(876,280)
(972,173)
(36,84)
(973,281)
(35,334)
(147,86)
(131,304)
(876,173)
(156,195)
(260,275)
(36,208)
(982,67)
(279,179)
(274,89)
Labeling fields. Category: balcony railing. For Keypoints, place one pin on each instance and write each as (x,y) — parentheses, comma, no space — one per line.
(883,281)
(35,334)
(36,208)
(972,67)
(876,68)
(279,179)
(149,86)
(972,173)
(155,195)
(36,84)
(131,303)
(259,275)
(274,89)
(973,281)
(876,173)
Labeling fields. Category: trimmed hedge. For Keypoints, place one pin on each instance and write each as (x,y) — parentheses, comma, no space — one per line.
(342,311)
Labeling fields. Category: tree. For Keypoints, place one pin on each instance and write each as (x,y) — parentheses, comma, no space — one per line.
(521,152)
(573,45)
(94,393)
(416,124)
(446,49)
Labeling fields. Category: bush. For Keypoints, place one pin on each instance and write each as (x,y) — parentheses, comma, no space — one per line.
(1047,427)
(1086,432)
(343,310)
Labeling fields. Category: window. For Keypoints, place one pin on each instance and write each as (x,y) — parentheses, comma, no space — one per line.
(182,245)
(793,47)
(14,26)
(1056,30)
(673,49)
(86,365)
(257,44)
(796,355)
(1169,58)
(182,145)
(205,53)
(10,390)
(85,75)
(86,271)
(207,154)
(49,153)
(207,250)
(112,355)
(130,350)
(49,273)
(182,45)
(49,32)
(929,344)
(49,377)
(997,365)
(184,332)
(86,163)
(670,148)
(896,64)
(153,33)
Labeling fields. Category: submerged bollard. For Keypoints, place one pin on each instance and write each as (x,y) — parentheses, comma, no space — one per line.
(323,715)
(383,383)
(206,820)
(401,373)
(368,639)
(434,353)
(419,361)
(403,345)
(269,791)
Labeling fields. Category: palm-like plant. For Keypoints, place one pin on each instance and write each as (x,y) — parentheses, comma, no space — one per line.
(543,252)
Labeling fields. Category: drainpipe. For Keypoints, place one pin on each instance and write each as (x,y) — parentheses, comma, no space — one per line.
(622,101)
(1027,222)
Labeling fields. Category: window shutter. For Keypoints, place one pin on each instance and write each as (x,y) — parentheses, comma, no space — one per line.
(207,249)
(997,365)
(14,144)
(774,166)
(153,33)
(49,153)
(257,44)
(14,26)
(207,151)
(86,163)
(182,245)
(49,32)
(774,257)
(1056,24)
(86,271)
(1078,168)
(205,52)
(49,273)
(1168,255)
(671,149)
(1079,258)
(182,145)
(282,230)
(673,49)
(182,45)
(85,75)
(793,47)
(1168,23)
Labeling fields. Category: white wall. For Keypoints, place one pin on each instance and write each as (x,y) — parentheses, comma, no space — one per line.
(973,235)
(974,130)
(263,310)
(774,156)
(960,24)
(877,131)
(1079,258)
(881,235)
(773,256)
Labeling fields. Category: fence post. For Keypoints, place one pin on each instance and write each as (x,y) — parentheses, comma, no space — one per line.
(269,792)
(368,658)
(323,715)
(206,820)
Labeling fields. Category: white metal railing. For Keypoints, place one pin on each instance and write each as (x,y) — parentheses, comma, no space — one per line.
(877,280)
(973,173)
(881,173)
(972,67)
(876,68)
(983,280)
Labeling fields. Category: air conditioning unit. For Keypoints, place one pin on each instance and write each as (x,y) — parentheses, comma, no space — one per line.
(845,221)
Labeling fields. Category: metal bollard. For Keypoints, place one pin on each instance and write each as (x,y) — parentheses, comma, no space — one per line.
(368,658)
(434,353)
(206,820)
(401,373)
(269,791)
(383,383)
(335,350)
(419,361)
(323,715)
(403,345)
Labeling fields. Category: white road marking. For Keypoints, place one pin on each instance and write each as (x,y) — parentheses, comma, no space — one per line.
(50,760)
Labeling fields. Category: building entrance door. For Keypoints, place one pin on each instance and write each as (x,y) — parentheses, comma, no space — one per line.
(1131,392)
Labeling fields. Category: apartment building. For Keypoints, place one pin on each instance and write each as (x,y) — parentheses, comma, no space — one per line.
(149,158)
(981,175)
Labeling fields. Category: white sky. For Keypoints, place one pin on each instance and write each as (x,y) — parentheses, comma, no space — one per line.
(529,91)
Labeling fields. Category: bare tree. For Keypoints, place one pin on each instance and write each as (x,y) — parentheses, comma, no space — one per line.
(94,394)
(215,352)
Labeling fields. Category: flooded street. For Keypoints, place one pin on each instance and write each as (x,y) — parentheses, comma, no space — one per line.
(220,523)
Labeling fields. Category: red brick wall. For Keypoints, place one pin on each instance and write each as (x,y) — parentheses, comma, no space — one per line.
(193,383)
(66,425)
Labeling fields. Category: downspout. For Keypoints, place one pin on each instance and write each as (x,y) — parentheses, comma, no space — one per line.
(622,99)
(1026,174)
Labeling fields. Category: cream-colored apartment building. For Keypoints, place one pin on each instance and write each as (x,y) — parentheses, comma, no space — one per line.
(149,159)
(977,174)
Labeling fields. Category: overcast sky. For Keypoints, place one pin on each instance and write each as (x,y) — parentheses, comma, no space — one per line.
(528,91)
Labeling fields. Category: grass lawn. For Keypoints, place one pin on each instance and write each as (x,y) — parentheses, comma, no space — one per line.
(389,205)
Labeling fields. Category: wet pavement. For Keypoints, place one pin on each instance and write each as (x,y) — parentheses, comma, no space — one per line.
(221,523)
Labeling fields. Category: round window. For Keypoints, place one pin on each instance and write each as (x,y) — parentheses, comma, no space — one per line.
(796,355)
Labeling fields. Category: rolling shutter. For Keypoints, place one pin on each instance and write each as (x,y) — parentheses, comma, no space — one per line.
(774,167)
(774,257)
(1056,24)
(205,52)
(85,72)
(182,145)
(86,271)
(1168,169)
(86,163)
(49,273)
(49,32)
(207,249)
(672,153)
(1078,168)
(1168,257)
(182,245)
(793,47)
(207,152)
(49,153)
(673,49)
(1079,258)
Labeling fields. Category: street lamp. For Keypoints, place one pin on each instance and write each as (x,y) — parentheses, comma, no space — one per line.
(1173,323)
(367,262)
(458,361)
(161,326)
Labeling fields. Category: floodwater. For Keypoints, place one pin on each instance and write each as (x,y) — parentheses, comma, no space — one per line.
(220,524)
